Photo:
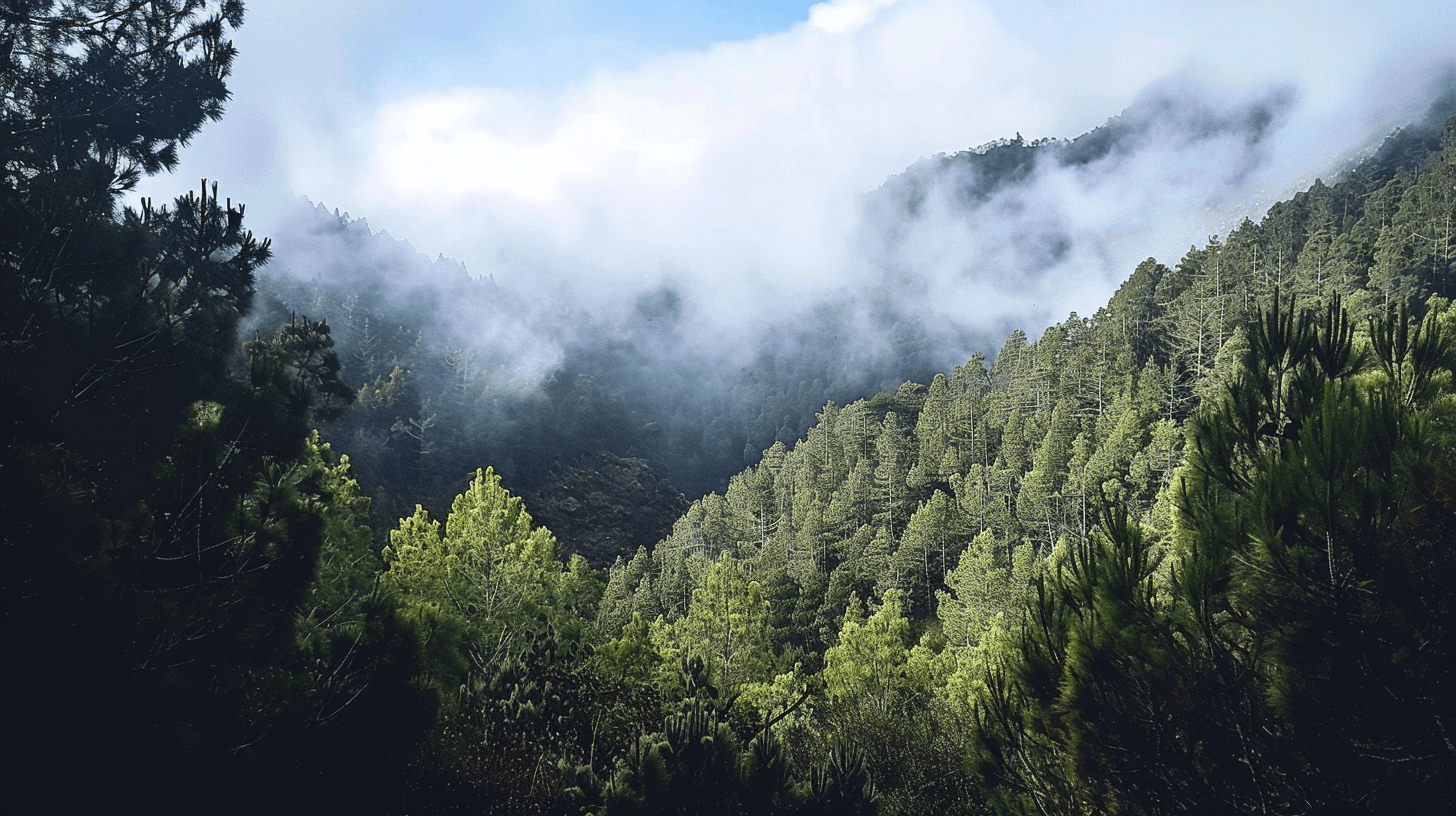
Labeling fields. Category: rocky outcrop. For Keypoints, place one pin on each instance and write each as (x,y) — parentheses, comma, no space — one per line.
(605,505)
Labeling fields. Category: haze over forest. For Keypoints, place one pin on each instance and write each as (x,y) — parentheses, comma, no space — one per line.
(874,407)
(821,227)
(950,255)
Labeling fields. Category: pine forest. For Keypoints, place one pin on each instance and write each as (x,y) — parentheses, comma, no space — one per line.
(271,546)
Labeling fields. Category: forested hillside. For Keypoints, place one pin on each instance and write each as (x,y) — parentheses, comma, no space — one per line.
(1164,558)
(1192,553)
(455,371)
(655,388)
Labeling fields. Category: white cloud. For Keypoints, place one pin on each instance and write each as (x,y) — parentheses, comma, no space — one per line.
(746,157)
(841,16)
(737,168)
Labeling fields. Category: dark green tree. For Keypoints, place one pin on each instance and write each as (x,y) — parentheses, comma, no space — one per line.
(164,587)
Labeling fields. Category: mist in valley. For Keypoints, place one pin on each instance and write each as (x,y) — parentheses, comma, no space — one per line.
(676,262)
(878,406)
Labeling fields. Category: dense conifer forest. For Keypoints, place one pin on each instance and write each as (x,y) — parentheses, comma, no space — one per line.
(1189,554)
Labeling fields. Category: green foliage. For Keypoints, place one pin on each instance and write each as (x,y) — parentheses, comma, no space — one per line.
(106,92)
(728,628)
(1188,554)
(484,586)
(301,362)
(696,765)
(190,592)
(989,584)
(1318,529)
(933,535)
(867,663)
(1247,674)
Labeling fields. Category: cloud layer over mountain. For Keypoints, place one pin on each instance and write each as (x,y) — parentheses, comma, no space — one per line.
(726,209)
(735,172)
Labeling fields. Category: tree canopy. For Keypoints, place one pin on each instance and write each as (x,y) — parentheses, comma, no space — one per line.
(1188,554)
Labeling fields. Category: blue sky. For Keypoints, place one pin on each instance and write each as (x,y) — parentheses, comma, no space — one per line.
(510,45)
(600,144)
(546,44)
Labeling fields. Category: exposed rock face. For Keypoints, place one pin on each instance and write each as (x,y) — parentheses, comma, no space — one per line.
(606,505)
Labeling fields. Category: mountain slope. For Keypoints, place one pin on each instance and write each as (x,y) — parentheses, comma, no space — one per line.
(457,371)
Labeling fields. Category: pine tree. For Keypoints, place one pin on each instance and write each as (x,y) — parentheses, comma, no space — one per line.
(1307,502)
(931,541)
(867,665)
(627,585)
(489,575)
(169,515)
(989,581)
(933,436)
(728,628)
(1414,255)
(1040,504)
(893,460)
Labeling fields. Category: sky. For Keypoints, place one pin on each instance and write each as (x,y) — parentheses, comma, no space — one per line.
(596,148)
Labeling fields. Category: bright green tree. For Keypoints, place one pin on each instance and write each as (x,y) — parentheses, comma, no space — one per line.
(1040,503)
(868,663)
(990,582)
(489,574)
(728,628)
(932,539)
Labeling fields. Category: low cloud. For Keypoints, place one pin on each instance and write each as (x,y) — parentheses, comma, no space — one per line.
(1021,233)
(727,208)
(735,172)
